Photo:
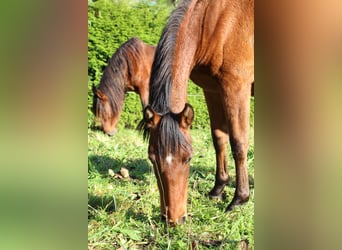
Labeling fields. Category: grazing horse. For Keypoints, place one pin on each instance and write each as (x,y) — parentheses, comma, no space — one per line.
(129,69)
(212,42)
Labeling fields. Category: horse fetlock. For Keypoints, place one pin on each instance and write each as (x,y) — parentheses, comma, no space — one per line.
(222,179)
(240,197)
(222,196)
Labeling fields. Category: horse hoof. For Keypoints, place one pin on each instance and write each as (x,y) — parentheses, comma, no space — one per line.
(229,208)
(235,203)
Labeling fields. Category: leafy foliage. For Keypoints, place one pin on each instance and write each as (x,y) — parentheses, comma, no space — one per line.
(110,24)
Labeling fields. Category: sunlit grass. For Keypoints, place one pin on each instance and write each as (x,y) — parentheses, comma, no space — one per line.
(124,212)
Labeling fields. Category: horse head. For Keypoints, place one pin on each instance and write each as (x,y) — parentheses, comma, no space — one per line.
(170,153)
(104,113)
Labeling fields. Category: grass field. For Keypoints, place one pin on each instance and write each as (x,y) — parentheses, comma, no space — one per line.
(123,213)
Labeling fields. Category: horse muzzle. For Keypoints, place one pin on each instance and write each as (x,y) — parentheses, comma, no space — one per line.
(111,133)
(174,222)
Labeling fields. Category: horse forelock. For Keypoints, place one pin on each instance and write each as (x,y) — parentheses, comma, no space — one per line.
(171,139)
(162,67)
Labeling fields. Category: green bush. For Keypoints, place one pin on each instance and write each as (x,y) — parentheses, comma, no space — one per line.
(110,24)
(197,100)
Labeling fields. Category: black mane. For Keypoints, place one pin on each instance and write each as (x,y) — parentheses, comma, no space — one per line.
(170,138)
(161,76)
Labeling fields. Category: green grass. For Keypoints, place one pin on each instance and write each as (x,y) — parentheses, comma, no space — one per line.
(124,213)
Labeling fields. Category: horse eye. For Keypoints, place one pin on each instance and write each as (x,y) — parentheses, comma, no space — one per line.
(152,156)
(188,160)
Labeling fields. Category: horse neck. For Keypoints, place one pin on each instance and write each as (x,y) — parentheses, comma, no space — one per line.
(194,46)
(174,60)
(184,57)
(139,75)
(144,88)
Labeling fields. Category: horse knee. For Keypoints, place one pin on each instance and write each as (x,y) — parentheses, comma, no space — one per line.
(220,140)
(239,150)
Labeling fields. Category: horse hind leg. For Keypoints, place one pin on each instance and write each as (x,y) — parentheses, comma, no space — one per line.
(238,110)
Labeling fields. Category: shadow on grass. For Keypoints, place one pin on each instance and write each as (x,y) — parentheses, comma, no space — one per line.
(142,217)
(203,172)
(138,168)
(203,179)
(103,202)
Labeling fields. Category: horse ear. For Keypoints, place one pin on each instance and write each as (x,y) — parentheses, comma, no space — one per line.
(151,118)
(100,95)
(186,116)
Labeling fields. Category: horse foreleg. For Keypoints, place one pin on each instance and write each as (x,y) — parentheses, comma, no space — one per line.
(238,109)
(219,135)
(220,140)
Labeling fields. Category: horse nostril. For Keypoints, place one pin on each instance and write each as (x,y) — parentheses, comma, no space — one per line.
(111,133)
(182,220)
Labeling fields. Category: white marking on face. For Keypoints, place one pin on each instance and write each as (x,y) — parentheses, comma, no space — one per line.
(169,159)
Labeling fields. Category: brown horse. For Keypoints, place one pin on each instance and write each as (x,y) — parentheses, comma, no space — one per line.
(129,69)
(213,43)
